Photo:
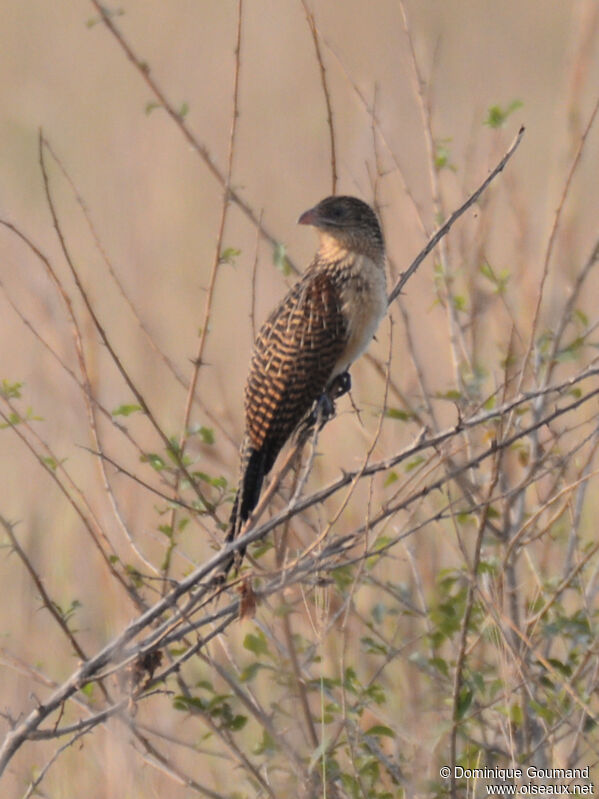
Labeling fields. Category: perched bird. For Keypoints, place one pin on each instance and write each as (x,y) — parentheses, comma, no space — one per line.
(304,349)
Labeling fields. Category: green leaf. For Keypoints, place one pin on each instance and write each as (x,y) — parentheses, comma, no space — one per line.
(206,434)
(236,723)
(376,692)
(343,577)
(459,302)
(260,548)
(440,665)
(10,390)
(13,420)
(267,744)
(391,478)
(52,463)
(414,463)
(228,255)
(543,711)
(248,674)
(397,413)
(497,116)
(516,715)
(150,106)
(166,529)
(155,461)
(452,394)
(442,155)
(126,410)
(380,729)
(373,647)
(464,701)
(280,259)
(572,351)
(256,643)
(184,110)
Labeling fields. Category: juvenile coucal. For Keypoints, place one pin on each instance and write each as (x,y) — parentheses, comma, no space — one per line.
(304,349)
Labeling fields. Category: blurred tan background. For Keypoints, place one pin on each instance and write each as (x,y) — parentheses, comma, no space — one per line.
(156,208)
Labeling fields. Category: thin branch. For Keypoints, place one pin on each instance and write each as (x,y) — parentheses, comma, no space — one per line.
(326,93)
(552,237)
(446,227)
(142,67)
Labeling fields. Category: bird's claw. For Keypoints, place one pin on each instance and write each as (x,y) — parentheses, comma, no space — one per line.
(340,385)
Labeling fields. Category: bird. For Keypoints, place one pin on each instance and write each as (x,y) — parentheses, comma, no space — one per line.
(304,349)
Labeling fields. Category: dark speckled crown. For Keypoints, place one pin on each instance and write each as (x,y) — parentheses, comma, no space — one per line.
(349,220)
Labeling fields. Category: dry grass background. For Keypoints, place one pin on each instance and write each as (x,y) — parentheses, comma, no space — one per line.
(156,211)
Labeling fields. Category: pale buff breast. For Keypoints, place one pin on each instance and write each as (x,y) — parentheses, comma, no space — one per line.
(364,298)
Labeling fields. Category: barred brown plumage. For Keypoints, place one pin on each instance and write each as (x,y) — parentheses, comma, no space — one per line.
(311,338)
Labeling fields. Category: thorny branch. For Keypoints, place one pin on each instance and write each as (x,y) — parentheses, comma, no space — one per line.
(198,586)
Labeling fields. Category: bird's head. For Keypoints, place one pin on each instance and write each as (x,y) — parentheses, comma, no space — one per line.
(349,223)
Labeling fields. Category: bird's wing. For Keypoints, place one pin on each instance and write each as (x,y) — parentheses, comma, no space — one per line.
(294,355)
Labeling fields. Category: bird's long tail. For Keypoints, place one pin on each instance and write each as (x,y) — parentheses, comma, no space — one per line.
(253,472)
(254,465)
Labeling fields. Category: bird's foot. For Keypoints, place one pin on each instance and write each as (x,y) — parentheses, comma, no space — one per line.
(323,410)
(324,407)
(340,385)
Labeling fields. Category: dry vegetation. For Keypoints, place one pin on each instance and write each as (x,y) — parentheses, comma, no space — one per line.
(422,586)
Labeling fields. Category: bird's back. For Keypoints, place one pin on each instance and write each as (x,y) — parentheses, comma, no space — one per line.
(293,359)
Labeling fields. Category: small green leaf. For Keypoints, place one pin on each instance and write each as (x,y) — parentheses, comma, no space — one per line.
(206,434)
(259,548)
(443,155)
(184,110)
(155,461)
(397,413)
(464,701)
(13,420)
(126,410)
(376,692)
(256,643)
(267,744)
(380,729)
(280,259)
(497,116)
(229,255)
(452,394)
(391,478)
(414,463)
(150,106)
(459,302)
(248,674)
(236,723)
(572,351)
(373,647)
(10,390)
(516,715)
(440,665)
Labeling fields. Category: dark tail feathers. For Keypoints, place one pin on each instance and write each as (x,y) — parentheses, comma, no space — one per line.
(249,489)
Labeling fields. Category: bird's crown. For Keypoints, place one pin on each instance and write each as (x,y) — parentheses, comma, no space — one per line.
(350,221)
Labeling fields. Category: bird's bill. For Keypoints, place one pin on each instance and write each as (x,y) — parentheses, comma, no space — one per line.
(308,217)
